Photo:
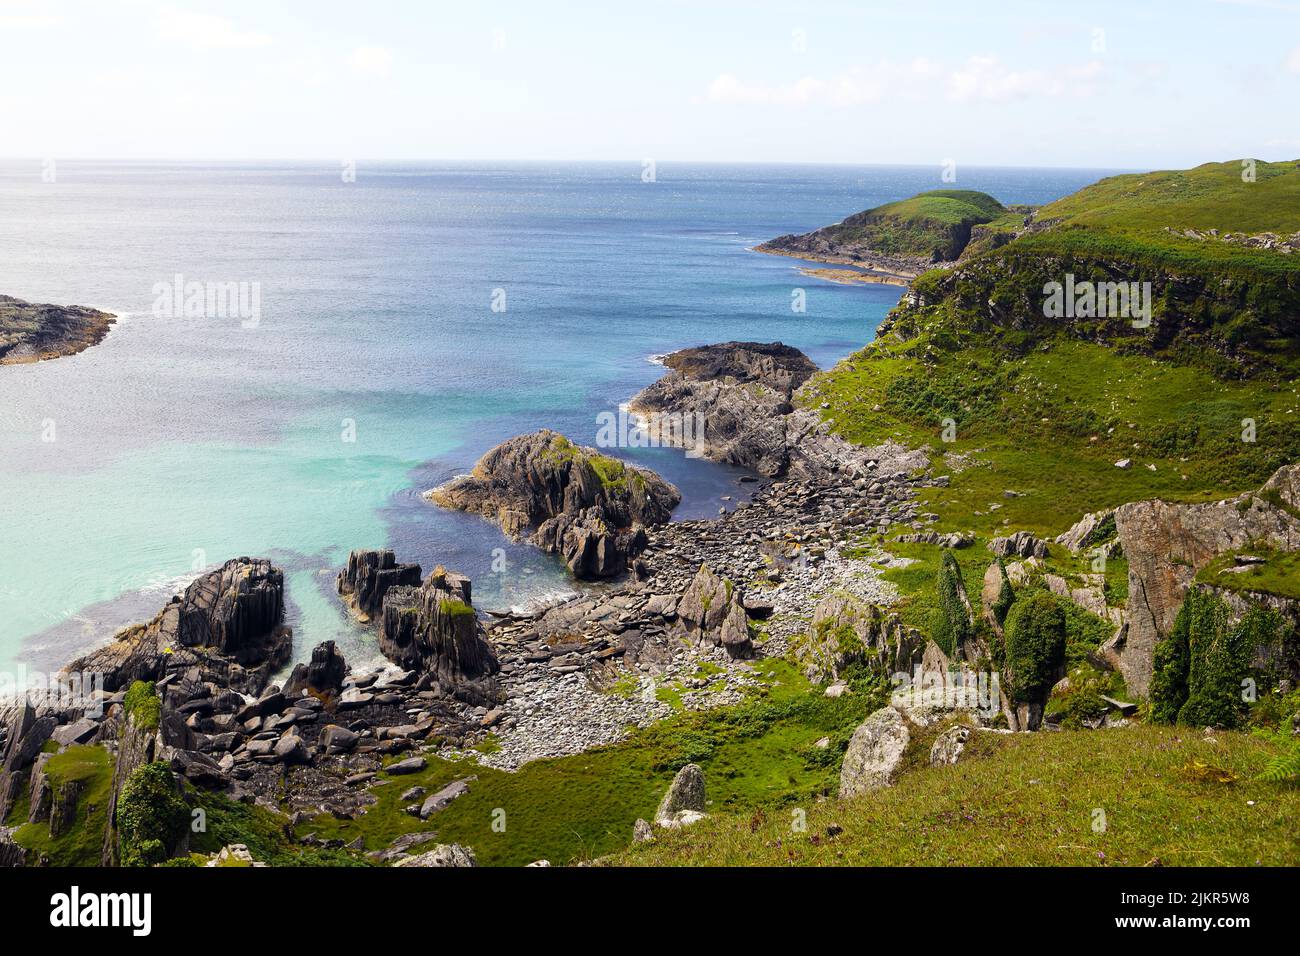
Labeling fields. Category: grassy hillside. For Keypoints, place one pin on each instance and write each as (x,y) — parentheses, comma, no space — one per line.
(1130,797)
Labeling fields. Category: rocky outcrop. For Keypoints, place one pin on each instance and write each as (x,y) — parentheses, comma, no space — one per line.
(567,499)
(949,745)
(735,403)
(1167,544)
(874,753)
(442,855)
(1022,544)
(847,630)
(432,629)
(727,403)
(323,675)
(1091,529)
(684,802)
(30,333)
(711,612)
(226,624)
(369,575)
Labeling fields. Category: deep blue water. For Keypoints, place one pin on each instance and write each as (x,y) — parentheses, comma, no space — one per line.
(180,442)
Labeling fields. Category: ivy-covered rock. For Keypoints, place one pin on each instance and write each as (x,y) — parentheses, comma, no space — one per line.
(152,817)
(1034,654)
(950,624)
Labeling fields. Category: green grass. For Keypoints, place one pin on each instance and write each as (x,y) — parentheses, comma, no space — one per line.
(759,753)
(1051,423)
(1031,800)
(1210,196)
(83,843)
(1279,574)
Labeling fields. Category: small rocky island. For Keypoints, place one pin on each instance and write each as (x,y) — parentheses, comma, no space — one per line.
(569,500)
(31,333)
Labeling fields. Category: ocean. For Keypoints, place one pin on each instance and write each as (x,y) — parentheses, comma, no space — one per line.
(405,323)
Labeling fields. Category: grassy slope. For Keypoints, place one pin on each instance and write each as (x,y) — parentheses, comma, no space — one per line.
(756,754)
(83,843)
(1030,800)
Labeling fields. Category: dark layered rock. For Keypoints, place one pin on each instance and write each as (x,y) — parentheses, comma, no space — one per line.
(323,674)
(31,332)
(225,627)
(589,546)
(711,612)
(567,499)
(369,575)
(1168,543)
(740,403)
(727,402)
(434,630)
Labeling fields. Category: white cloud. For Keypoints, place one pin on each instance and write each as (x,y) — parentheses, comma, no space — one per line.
(978,79)
(1293,62)
(206,30)
(371,59)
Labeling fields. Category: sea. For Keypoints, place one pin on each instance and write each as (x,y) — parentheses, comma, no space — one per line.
(364,333)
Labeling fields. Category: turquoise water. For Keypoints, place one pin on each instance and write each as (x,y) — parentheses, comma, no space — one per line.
(181,442)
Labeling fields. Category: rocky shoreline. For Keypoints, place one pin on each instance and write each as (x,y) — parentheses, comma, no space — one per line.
(676,617)
(34,333)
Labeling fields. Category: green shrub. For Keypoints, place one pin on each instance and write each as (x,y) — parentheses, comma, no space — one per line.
(1035,645)
(1171,663)
(950,623)
(1006,596)
(143,705)
(151,815)
(1219,661)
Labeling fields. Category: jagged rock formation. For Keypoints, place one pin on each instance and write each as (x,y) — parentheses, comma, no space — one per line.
(369,575)
(1167,544)
(30,333)
(226,624)
(711,612)
(874,753)
(324,674)
(587,507)
(847,630)
(433,630)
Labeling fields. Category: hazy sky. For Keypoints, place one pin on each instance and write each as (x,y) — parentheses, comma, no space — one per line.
(1118,84)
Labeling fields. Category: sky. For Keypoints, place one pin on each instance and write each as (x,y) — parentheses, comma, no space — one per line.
(1006,83)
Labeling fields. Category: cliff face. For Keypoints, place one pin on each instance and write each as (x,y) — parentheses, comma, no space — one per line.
(30,333)
(1167,544)
(569,499)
